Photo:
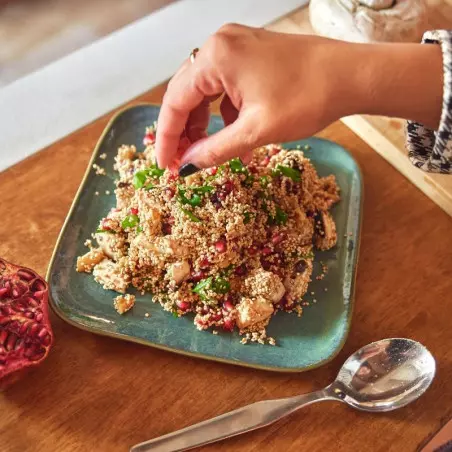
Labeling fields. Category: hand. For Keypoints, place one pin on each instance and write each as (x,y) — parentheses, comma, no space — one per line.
(280,87)
(276,87)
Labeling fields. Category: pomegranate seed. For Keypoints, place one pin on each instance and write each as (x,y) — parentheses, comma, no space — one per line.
(25,275)
(228,324)
(4,292)
(265,161)
(134,211)
(274,151)
(228,186)
(301,266)
(183,305)
(266,250)
(38,286)
(173,176)
(148,139)
(252,169)
(171,220)
(265,264)
(166,229)
(216,317)
(252,250)
(241,270)
(212,171)
(3,336)
(197,276)
(204,262)
(278,238)
(228,305)
(170,192)
(220,246)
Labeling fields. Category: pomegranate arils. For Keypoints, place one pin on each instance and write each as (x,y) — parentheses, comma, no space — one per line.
(197,276)
(212,171)
(183,305)
(25,331)
(228,324)
(134,211)
(266,250)
(38,286)
(220,246)
(241,270)
(166,229)
(228,305)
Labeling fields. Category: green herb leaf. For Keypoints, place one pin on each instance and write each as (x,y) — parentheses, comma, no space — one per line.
(221,285)
(287,171)
(264,181)
(202,287)
(228,270)
(175,314)
(194,201)
(249,180)
(139,179)
(202,189)
(190,215)
(237,166)
(247,218)
(149,187)
(130,221)
(139,229)
(281,216)
(155,171)
(104,231)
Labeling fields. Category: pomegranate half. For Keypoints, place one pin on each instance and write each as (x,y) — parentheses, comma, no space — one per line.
(25,332)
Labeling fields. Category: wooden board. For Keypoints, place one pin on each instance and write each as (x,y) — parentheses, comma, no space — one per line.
(387,135)
(102,394)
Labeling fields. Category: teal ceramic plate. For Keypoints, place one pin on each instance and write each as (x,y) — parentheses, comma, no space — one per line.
(302,343)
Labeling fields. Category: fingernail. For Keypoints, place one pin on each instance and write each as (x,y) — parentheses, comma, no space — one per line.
(187,170)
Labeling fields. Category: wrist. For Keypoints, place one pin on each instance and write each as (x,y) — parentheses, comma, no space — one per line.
(400,80)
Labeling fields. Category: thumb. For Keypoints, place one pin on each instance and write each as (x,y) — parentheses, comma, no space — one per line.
(235,140)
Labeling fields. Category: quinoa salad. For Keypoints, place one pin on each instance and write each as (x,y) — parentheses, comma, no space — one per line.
(231,245)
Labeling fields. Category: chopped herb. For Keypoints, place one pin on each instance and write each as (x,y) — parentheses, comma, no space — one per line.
(139,229)
(155,171)
(264,181)
(237,166)
(202,189)
(130,221)
(190,215)
(202,287)
(228,270)
(194,201)
(249,180)
(247,217)
(105,231)
(139,179)
(175,314)
(287,171)
(279,218)
(221,285)
(149,187)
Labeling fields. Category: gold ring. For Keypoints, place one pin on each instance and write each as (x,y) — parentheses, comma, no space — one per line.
(193,54)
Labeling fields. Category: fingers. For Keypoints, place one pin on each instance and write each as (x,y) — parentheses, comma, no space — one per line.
(181,97)
(235,140)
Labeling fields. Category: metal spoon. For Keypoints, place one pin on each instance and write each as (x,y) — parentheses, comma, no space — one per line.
(381,376)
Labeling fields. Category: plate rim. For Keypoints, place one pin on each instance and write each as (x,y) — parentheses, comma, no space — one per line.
(278,369)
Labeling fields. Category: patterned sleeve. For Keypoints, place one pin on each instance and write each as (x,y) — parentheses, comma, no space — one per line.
(431,150)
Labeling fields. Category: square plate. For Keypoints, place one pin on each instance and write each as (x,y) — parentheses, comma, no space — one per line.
(302,343)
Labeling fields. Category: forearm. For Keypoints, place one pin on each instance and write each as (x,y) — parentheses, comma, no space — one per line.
(400,80)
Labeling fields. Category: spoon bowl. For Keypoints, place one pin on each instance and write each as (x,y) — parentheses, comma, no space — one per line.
(381,376)
(385,375)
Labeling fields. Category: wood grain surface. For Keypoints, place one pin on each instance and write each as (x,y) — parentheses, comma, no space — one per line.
(102,394)
(387,135)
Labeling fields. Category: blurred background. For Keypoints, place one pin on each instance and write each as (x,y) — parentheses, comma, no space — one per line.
(34,33)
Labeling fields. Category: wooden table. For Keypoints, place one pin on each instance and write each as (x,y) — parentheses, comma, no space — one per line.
(97,393)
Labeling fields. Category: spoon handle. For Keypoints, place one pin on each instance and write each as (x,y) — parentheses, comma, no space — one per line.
(242,420)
